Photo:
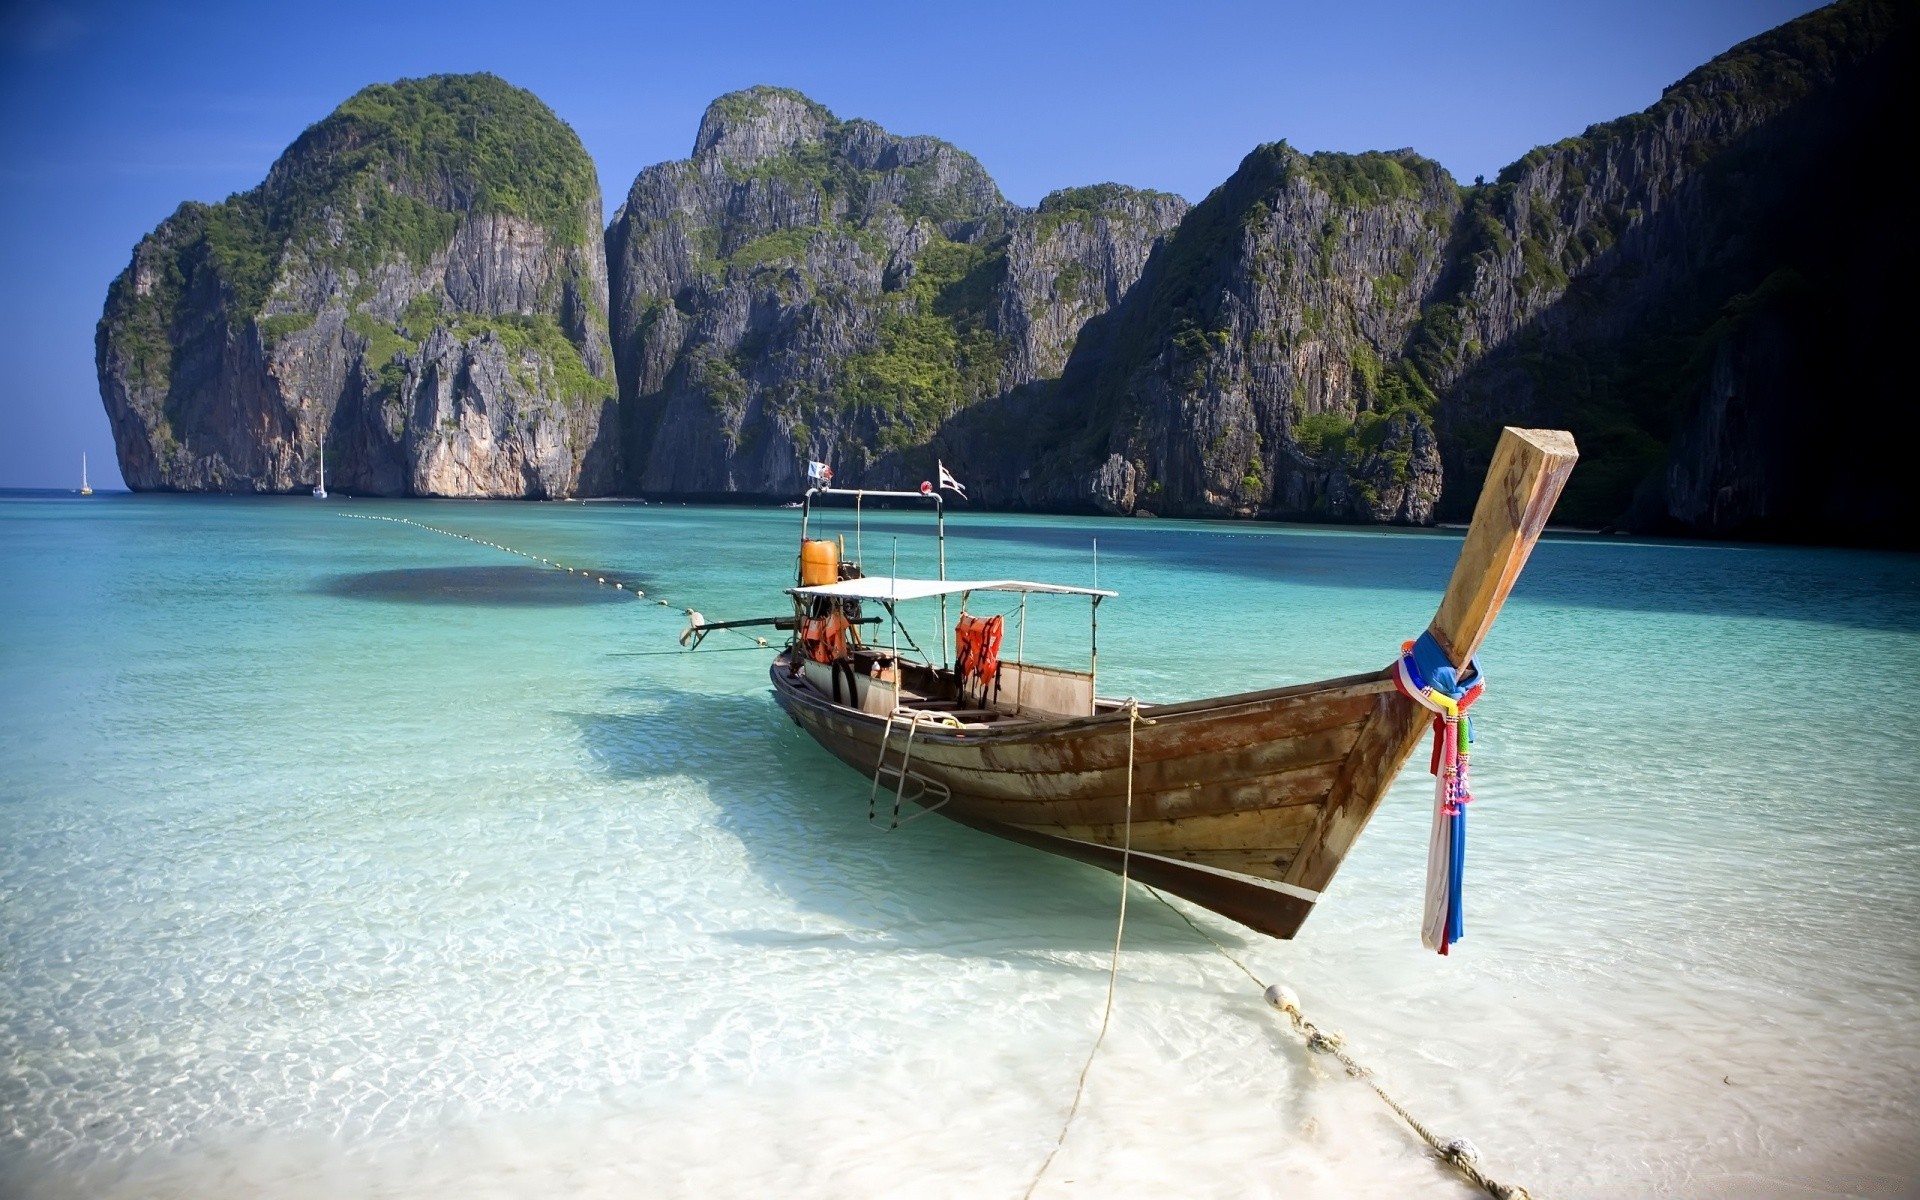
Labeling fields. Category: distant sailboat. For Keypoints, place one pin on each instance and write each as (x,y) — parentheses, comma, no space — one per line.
(320,492)
(86,489)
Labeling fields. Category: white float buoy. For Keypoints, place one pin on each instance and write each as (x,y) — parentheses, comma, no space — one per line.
(1283,998)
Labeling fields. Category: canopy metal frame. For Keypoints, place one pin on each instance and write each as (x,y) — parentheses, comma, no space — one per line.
(859,498)
(889,596)
(888,588)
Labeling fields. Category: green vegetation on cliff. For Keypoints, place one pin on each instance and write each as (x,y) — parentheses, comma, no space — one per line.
(822,167)
(1185,279)
(388,174)
(1373,177)
(541,353)
(447,143)
(1085,205)
(938,182)
(750,103)
(935,353)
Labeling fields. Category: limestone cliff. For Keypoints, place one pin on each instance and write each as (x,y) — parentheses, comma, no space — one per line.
(416,290)
(1689,289)
(1693,289)
(810,288)
(1251,371)
(1703,292)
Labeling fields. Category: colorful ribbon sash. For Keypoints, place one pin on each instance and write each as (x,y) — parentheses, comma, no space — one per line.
(1425,675)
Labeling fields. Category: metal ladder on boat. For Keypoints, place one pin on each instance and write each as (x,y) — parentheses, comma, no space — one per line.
(902,771)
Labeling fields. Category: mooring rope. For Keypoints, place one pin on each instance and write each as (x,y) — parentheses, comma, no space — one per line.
(590,576)
(1458,1152)
(1113,967)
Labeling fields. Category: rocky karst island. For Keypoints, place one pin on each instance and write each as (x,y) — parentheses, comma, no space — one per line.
(421,291)
(417,291)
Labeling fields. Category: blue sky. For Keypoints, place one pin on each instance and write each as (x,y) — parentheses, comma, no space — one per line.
(111,115)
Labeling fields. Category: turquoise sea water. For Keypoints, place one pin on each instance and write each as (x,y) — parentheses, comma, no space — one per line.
(339,857)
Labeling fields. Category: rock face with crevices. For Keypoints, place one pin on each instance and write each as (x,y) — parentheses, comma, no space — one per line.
(1686,289)
(811,289)
(1325,336)
(1251,372)
(1691,289)
(416,291)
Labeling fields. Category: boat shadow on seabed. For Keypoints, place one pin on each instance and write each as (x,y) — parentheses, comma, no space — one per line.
(930,886)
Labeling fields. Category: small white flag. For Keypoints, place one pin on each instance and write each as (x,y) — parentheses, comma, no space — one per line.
(948,482)
(819,472)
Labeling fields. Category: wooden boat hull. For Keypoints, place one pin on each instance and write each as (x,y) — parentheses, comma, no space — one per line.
(1226,792)
(1244,804)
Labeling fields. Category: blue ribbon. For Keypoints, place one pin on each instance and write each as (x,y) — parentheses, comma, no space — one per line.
(1432,668)
(1456,875)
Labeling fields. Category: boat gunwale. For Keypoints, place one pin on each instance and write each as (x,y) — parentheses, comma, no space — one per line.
(1372,682)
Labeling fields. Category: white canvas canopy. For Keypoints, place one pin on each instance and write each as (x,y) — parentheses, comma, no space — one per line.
(888,589)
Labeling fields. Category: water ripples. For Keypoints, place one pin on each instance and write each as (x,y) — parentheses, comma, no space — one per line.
(306,895)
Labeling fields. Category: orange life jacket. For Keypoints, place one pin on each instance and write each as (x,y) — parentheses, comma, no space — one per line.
(977,649)
(826,637)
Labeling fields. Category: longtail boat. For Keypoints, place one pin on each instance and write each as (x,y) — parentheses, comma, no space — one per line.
(1243,804)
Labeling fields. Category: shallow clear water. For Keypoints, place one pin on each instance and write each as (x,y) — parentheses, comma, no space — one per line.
(340,857)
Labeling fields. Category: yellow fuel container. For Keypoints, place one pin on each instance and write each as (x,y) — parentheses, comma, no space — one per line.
(819,562)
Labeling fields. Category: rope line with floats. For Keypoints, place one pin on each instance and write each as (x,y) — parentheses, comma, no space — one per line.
(698,626)
(1456,1152)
